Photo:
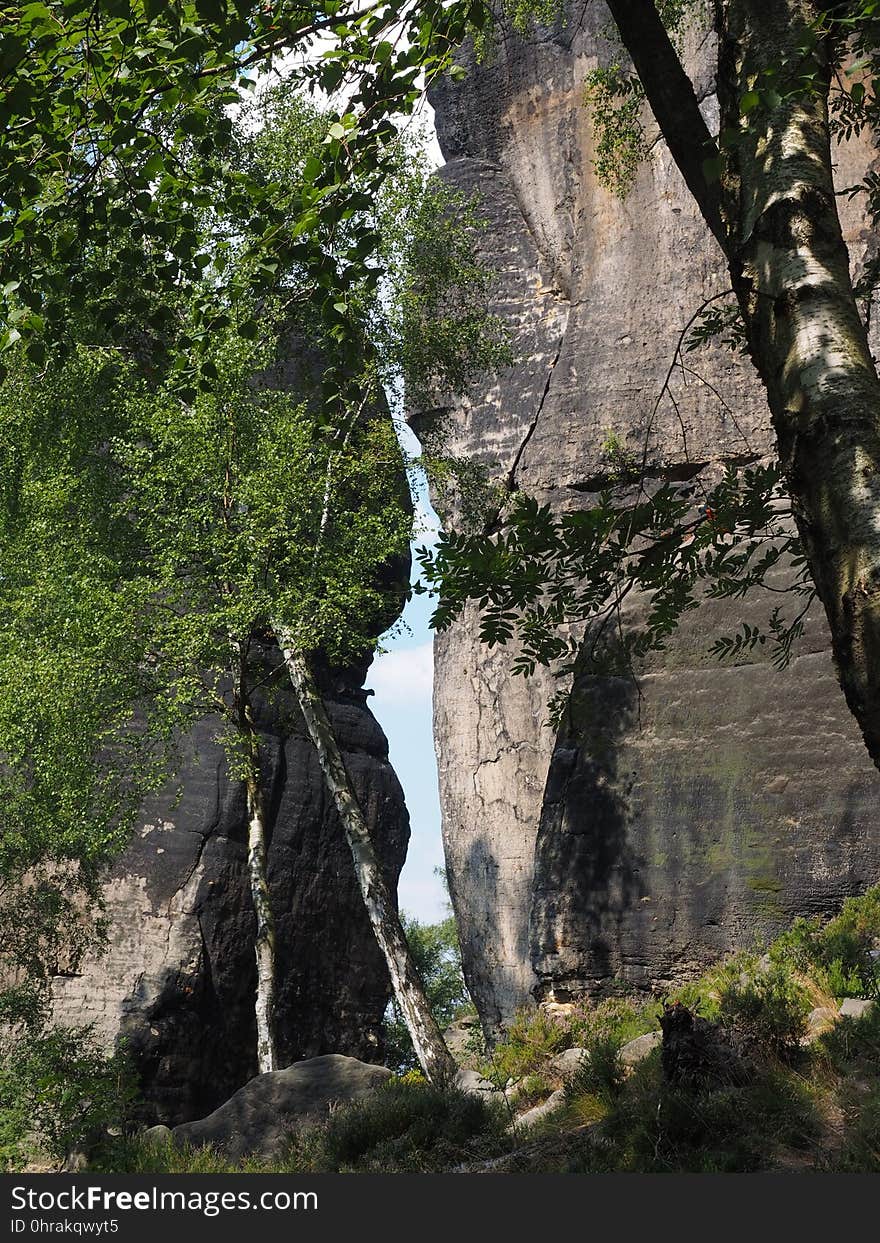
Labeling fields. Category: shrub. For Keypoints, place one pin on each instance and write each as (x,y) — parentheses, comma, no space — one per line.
(529,1042)
(410,1126)
(57,1090)
(624,1018)
(766,1007)
(601,1074)
(135,1155)
(839,953)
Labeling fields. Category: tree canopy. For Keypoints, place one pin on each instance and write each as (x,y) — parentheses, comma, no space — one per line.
(152,533)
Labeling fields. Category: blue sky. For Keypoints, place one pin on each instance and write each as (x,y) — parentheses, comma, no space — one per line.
(402,679)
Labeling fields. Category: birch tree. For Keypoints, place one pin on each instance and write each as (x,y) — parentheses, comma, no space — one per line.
(252,502)
(793,77)
(767,194)
(230,496)
(104,100)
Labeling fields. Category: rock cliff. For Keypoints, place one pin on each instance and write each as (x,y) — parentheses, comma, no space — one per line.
(682,814)
(177,979)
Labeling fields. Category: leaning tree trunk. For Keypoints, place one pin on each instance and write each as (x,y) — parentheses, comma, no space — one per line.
(264,941)
(789,266)
(430,1048)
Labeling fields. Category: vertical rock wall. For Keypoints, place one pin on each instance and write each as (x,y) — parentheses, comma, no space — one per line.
(177,979)
(683,815)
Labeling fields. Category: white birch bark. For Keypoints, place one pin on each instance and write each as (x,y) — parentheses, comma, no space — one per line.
(430,1048)
(776,219)
(264,941)
(264,936)
(791,272)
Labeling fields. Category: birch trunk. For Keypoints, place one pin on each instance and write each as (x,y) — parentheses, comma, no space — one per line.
(789,267)
(791,272)
(264,941)
(430,1048)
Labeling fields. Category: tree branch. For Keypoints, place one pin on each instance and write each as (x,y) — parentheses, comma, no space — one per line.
(673,102)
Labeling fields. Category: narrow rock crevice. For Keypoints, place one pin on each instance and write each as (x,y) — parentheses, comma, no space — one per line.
(511,482)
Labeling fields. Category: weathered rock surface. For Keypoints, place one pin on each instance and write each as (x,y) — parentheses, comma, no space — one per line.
(261,1117)
(677,817)
(856,1007)
(461,1036)
(472,1082)
(177,980)
(569,1062)
(538,1113)
(635,1051)
(820,1020)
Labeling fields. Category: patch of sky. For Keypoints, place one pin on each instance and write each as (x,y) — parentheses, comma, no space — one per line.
(402,678)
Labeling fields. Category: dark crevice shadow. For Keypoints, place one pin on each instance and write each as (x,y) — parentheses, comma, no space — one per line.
(587,872)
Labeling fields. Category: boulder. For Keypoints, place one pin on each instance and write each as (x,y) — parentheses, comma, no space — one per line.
(820,1020)
(533,1116)
(473,1083)
(261,1117)
(635,1051)
(177,979)
(569,1062)
(855,1007)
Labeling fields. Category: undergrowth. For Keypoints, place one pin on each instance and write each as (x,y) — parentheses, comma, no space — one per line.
(803,1098)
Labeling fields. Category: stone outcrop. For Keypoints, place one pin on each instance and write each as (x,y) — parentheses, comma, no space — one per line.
(262,1116)
(681,814)
(177,979)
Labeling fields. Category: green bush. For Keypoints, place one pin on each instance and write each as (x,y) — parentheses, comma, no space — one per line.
(411,1127)
(57,1089)
(767,1008)
(624,1018)
(860,1150)
(838,953)
(134,1155)
(529,1042)
(601,1073)
(404,1126)
(653,1128)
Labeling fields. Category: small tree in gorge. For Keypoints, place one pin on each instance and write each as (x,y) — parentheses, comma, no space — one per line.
(242,513)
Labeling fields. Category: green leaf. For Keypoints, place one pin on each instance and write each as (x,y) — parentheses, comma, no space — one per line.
(712,168)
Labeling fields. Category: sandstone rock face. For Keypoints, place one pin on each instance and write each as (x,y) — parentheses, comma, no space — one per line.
(177,980)
(681,814)
(262,1115)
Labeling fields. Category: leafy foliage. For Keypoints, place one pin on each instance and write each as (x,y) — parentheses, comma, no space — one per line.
(117,120)
(437,955)
(818,1114)
(845,951)
(615,100)
(413,1127)
(549,579)
(530,1040)
(401,1127)
(150,531)
(767,1007)
(56,1091)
